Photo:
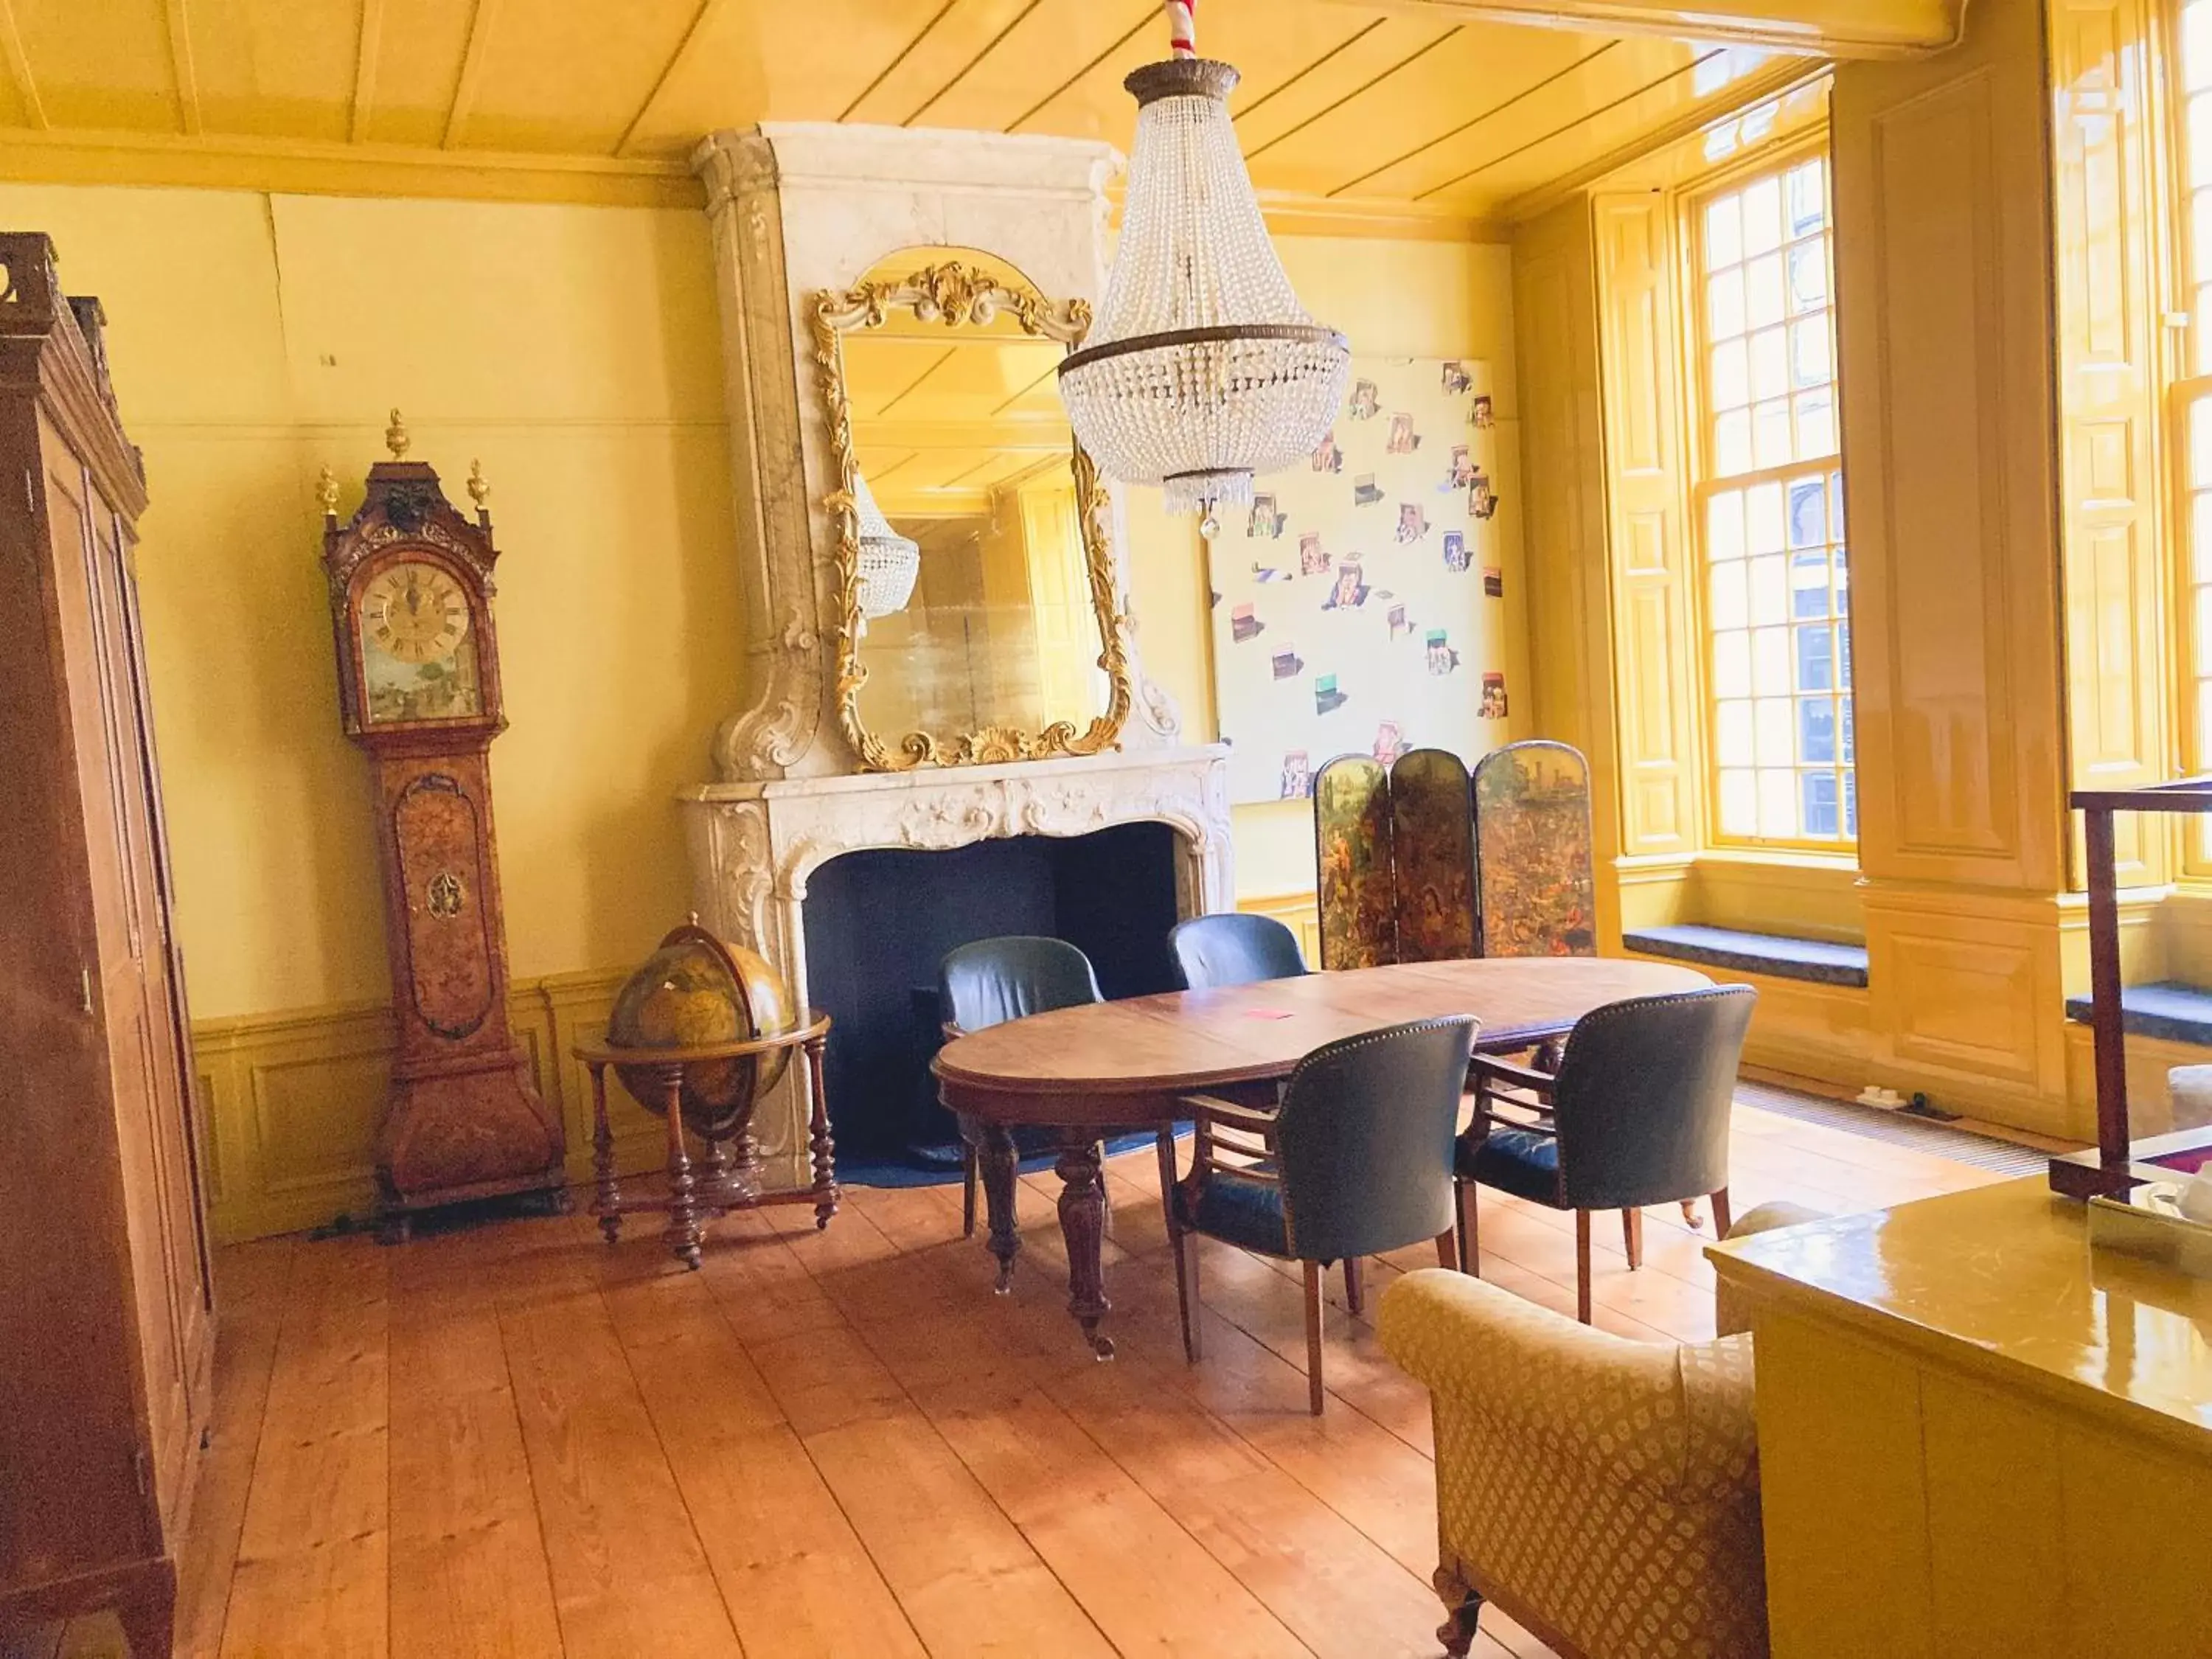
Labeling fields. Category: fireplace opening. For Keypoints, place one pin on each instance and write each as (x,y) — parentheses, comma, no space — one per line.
(879,921)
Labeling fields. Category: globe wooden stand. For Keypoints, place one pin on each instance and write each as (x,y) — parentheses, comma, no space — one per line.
(693,1198)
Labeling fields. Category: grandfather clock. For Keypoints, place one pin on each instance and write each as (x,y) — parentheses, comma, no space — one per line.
(418,688)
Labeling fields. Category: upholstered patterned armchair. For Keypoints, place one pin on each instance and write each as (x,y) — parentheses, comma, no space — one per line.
(1603,1493)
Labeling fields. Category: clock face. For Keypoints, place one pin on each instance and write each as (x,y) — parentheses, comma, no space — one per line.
(419,656)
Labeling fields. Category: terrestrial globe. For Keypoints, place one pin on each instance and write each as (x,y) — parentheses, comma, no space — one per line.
(694,992)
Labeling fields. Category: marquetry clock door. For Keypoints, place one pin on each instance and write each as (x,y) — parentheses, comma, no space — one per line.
(410,583)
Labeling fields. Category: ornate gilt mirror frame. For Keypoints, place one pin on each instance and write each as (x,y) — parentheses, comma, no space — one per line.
(954,295)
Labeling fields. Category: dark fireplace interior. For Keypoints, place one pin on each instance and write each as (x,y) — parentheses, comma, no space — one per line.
(878,923)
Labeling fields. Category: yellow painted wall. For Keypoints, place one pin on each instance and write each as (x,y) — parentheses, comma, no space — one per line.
(256,338)
(1394,299)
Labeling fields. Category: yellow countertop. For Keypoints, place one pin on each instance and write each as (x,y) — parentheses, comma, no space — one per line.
(2000,1280)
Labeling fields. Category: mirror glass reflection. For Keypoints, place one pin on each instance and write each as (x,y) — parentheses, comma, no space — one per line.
(959,433)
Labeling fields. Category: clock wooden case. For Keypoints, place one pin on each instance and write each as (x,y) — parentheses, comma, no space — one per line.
(410,586)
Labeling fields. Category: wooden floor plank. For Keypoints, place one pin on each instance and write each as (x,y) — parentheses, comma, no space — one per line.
(313,1557)
(629,1574)
(514,1439)
(468,1571)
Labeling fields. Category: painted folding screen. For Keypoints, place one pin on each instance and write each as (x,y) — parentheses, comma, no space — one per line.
(1534,868)
(1396,856)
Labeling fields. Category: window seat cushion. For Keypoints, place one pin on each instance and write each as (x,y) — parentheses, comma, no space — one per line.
(1775,955)
(2168,1009)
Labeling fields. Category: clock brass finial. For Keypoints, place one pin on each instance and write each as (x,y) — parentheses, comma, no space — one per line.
(395,437)
(479,486)
(326,492)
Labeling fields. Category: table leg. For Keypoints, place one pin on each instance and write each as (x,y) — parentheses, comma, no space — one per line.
(606,1190)
(718,1177)
(1000,1164)
(825,1150)
(1082,1228)
(683,1234)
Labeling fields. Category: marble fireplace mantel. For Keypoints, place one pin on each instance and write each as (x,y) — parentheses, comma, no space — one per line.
(754,845)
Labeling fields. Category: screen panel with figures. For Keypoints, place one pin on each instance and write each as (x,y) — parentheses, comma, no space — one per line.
(1360,606)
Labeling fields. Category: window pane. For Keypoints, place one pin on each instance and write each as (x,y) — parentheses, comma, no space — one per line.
(1762,291)
(1769,600)
(1816,729)
(1762,217)
(1808,514)
(1764,506)
(1770,723)
(1809,585)
(1770,363)
(1844,654)
(1725,525)
(1851,804)
(1808,276)
(1777,803)
(1816,660)
(1836,507)
(1731,608)
(1816,424)
(1844,731)
(1770,429)
(1732,443)
(1732,733)
(1811,362)
(1770,662)
(1820,796)
(1739,804)
(1724,304)
(1723,233)
(1731,376)
(1809,198)
(1732,665)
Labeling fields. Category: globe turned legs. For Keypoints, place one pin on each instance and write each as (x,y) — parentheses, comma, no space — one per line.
(730,1177)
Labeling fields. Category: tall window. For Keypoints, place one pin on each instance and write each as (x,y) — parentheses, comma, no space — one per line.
(2193,390)
(1769,503)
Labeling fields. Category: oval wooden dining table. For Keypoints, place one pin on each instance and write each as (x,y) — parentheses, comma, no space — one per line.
(1110,1068)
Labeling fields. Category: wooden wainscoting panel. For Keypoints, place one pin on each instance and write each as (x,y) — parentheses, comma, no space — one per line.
(292,1102)
(1299,912)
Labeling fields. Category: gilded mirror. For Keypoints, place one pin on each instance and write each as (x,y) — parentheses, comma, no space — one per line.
(977,615)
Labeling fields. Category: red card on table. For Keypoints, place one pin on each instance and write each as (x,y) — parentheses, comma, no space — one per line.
(1268,1013)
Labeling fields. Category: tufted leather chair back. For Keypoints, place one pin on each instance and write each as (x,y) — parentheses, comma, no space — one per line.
(1365,1139)
(1644,1095)
(995,980)
(1213,952)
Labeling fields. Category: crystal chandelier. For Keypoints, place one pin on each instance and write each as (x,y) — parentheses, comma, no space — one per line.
(1203,369)
(889,561)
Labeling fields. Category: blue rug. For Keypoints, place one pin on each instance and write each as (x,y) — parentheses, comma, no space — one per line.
(901,1172)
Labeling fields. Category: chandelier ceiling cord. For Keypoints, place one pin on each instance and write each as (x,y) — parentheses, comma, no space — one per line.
(1203,370)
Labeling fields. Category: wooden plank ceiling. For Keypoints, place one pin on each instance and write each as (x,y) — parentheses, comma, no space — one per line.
(1351,106)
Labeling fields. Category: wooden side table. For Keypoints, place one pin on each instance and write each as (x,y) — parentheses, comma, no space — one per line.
(694,1198)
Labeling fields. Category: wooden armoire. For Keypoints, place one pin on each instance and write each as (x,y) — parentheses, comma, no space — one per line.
(104,1297)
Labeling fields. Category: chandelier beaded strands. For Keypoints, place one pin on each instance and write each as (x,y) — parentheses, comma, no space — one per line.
(889,561)
(1203,370)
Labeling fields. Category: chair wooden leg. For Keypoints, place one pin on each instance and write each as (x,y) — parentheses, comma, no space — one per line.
(1582,1266)
(1463,1608)
(1691,1218)
(1631,1233)
(1721,1220)
(1447,1249)
(1355,1295)
(1186,1252)
(1470,1243)
(1313,1337)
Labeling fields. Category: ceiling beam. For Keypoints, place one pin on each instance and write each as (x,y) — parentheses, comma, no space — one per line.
(19,66)
(180,64)
(472,70)
(699,21)
(1832,28)
(370,43)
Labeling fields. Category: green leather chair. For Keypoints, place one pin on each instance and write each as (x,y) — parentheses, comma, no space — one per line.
(1355,1161)
(1234,949)
(1637,1114)
(996,980)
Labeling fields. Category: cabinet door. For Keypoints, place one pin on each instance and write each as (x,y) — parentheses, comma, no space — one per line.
(124,896)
